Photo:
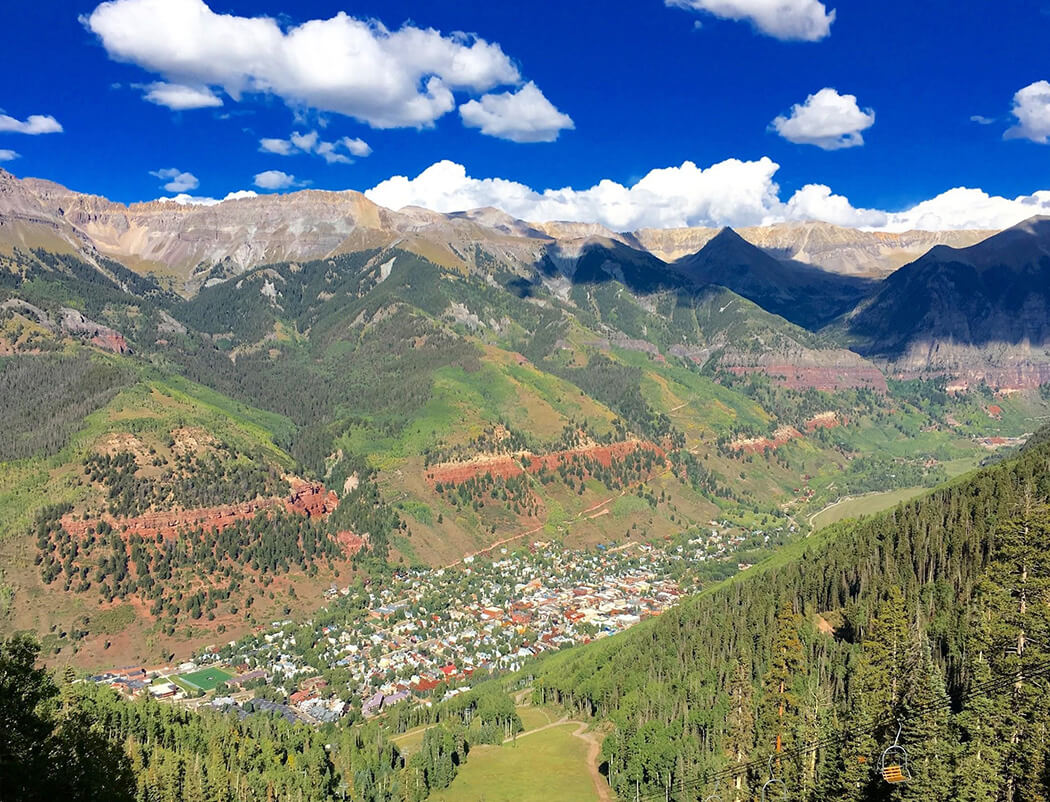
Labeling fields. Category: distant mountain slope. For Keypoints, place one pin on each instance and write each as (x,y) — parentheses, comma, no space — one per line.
(805,295)
(982,311)
(848,251)
(191,245)
(414,389)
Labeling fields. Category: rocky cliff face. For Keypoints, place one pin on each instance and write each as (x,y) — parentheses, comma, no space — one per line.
(187,242)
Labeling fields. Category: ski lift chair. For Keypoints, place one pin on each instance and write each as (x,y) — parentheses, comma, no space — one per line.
(773,788)
(893,765)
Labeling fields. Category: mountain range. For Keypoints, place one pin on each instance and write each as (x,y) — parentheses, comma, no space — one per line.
(815,275)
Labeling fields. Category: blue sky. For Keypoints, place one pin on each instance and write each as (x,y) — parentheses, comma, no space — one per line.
(646,85)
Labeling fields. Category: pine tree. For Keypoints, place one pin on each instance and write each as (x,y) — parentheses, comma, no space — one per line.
(1016,595)
(740,725)
(874,698)
(779,714)
(924,712)
(978,772)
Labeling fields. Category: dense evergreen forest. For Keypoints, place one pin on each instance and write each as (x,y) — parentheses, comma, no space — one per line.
(190,480)
(934,617)
(46,397)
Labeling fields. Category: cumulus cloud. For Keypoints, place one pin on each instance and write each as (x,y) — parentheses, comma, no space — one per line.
(304,142)
(274,179)
(357,147)
(7,155)
(282,147)
(826,119)
(964,207)
(184,199)
(522,116)
(34,124)
(1032,110)
(388,79)
(177,181)
(802,20)
(732,192)
(181,98)
(311,142)
(818,202)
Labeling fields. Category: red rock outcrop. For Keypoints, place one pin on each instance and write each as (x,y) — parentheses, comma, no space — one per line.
(307,498)
(350,542)
(312,499)
(759,445)
(507,466)
(111,341)
(825,420)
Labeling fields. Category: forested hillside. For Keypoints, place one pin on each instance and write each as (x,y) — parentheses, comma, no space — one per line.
(935,616)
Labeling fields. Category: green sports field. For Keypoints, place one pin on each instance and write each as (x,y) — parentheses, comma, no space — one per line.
(207,679)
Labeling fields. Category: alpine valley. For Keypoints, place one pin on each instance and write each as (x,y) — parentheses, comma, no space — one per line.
(657,505)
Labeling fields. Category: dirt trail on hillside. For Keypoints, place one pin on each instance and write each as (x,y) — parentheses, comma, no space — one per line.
(532,531)
(601,787)
(520,735)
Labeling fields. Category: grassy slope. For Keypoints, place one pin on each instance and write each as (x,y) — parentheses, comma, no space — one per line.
(550,764)
(150,409)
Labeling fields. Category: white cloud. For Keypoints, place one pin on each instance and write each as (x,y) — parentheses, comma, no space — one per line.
(192,200)
(304,142)
(980,119)
(312,143)
(181,98)
(327,151)
(805,20)
(963,207)
(1032,110)
(522,116)
(357,147)
(826,119)
(732,192)
(359,68)
(274,179)
(178,181)
(818,202)
(33,125)
(282,147)
(7,155)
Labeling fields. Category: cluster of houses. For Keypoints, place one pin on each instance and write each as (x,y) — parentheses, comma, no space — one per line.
(137,681)
(427,632)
